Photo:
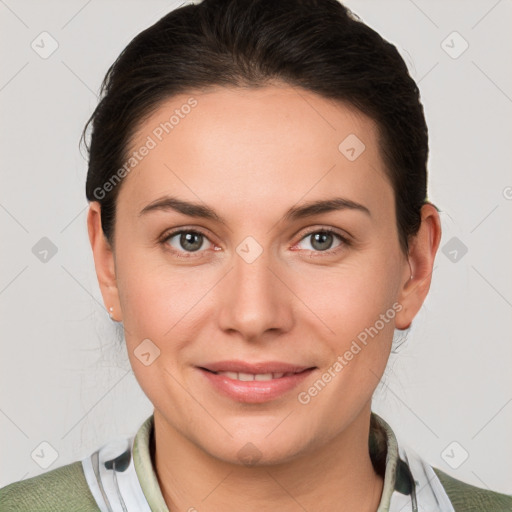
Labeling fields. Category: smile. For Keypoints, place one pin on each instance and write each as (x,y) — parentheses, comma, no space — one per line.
(253,387)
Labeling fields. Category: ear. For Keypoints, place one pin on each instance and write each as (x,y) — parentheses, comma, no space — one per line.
(422,251)
(103,261)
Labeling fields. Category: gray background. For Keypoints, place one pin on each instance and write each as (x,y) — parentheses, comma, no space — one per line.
(65,377)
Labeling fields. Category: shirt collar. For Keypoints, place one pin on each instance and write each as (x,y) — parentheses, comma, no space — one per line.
(122,478)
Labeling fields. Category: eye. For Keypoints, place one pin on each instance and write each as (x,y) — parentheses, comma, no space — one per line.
(322,241)
(185,241)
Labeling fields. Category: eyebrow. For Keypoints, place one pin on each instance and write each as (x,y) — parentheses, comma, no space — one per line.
(295,213)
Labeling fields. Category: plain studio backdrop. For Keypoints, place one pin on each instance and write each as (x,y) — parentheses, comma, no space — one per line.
(65,387)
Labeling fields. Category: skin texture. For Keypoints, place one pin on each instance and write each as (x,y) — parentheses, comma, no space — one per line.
(251,154)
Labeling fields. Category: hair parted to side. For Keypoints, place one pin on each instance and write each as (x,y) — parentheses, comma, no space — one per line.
(317,45)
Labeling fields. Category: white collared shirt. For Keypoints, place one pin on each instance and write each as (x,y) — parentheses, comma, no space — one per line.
(121,476)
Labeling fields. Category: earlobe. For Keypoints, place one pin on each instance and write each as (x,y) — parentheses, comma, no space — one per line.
(103,258)
(422,251)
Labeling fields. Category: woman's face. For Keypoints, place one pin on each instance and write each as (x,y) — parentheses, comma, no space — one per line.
(257,279)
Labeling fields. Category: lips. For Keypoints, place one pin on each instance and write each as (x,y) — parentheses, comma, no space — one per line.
(258,368)
(256,384)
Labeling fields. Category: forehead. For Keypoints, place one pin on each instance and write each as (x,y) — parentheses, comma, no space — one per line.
(258,144)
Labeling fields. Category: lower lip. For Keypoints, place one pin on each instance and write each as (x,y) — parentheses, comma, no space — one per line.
(255,391)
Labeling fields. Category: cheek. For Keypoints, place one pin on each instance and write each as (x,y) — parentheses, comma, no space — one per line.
(158,314)
(357,302)
(353,295)
(160,300)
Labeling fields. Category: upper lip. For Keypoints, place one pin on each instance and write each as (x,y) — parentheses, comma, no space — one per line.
(255,368)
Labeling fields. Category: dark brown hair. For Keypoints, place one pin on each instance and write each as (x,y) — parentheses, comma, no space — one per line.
(317,45)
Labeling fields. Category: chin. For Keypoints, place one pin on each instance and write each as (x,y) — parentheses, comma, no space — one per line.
(257,449)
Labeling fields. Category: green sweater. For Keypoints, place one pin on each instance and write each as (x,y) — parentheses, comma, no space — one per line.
(70,488)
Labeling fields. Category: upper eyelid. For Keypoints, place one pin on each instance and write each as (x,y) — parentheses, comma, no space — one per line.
(172,233)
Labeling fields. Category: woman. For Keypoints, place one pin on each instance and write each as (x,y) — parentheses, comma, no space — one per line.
(260,226)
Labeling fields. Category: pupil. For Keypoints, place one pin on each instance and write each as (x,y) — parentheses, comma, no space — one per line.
(187,241)
(321,238)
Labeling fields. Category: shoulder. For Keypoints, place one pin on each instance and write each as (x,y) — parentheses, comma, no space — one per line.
(468,498)
(61,489)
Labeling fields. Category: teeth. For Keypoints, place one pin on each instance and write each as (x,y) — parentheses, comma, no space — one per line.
(231,375)
(266,376)
(251,376)
(245,376)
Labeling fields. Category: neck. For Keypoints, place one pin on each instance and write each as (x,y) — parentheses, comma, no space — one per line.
(337,476)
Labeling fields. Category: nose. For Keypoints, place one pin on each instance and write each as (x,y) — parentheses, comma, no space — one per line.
(255,299)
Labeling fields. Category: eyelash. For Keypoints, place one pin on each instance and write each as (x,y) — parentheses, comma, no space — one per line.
(345,242)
